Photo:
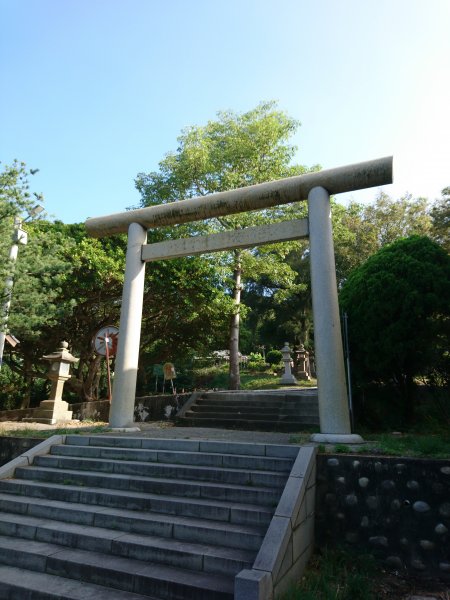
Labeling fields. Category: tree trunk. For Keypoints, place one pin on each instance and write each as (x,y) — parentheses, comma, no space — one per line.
(89,384)
(28,377)
(235,381)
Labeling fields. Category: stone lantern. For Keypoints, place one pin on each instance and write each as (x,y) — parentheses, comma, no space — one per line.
(287,377)
(55,408)
(302,356)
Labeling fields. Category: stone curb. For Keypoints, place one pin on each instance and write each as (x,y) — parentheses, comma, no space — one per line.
(289,539)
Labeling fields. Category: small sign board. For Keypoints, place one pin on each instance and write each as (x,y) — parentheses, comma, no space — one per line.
(169,371)
(105,341)
(158,370)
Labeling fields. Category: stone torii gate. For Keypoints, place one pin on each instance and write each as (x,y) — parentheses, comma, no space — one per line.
(317,188)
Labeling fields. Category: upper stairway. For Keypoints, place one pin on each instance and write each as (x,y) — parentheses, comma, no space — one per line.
(280,410)
(109,518)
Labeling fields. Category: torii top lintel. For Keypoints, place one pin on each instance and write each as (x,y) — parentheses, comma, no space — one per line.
(349,178)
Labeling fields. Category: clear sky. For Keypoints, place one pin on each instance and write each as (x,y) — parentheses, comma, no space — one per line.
(95,91)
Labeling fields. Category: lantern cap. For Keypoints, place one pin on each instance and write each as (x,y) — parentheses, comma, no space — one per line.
(62,355)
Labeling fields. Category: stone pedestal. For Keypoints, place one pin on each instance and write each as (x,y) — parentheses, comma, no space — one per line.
(50,412)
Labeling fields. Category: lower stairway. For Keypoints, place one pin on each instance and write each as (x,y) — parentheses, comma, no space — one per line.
(108,518)
(271,410)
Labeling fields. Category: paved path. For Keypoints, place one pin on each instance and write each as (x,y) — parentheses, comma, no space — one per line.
(165,430)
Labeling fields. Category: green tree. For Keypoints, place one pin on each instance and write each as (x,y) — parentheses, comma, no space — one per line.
(233,151)
(361,230)
(37,277)
(440,215)
(399,315)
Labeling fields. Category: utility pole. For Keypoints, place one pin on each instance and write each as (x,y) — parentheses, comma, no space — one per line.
(19,236)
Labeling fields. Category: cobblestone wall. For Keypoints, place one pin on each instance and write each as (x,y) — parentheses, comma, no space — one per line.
(396,508)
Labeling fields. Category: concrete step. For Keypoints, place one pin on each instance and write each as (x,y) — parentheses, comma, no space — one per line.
(185,555)
(251,424)
(210,510)
(231,461)
(125,574)
(21,584)
(257,411)
(177,445)
(153,524)
(166,470)
(164,519)
(229,402)
(242,396)
(186,488)
(260,415)
(241,407)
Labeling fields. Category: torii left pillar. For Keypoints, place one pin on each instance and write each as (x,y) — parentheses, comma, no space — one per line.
(124,390)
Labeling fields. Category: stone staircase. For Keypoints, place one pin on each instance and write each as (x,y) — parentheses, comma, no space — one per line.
(280,410)
(109,518)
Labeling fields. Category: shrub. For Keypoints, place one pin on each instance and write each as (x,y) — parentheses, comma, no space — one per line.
(273,357)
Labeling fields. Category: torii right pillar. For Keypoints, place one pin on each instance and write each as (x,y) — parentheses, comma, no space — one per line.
(332,388)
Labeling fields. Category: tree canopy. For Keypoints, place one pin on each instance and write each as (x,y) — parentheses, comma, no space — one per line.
(235,150)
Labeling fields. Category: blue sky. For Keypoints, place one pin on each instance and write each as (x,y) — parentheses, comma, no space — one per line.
(95,91)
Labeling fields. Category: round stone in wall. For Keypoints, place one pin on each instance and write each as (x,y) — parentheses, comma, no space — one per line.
(363,482)
(417,564)
(400,467)
(396,504)
(421,507)
(427,544)
(412,485)
(378,540)
(372,502)
(352,537)
(395,562)
(351,500)
(388,484)
(444,509)
(440,529)
(365,521)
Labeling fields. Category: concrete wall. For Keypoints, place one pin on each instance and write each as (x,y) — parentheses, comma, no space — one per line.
(398,509)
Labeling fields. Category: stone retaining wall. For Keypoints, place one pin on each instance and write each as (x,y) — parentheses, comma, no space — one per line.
(11,447)
(398,509)
(158,408)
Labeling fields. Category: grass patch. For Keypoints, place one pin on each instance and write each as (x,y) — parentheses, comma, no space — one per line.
(29,432)
(218,378)
(431,445)
(416,445)
(336,574)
